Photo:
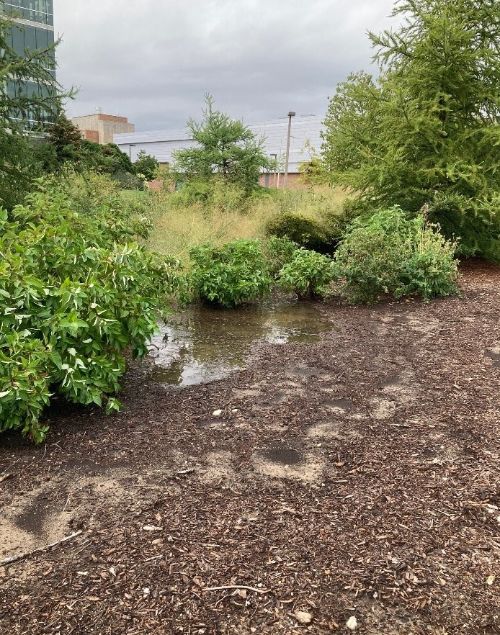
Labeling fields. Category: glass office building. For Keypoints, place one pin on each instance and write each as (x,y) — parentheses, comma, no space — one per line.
(33,29)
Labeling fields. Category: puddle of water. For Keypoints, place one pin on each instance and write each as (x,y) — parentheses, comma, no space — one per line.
(204,344)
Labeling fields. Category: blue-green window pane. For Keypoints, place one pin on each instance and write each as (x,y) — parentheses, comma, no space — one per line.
(33,10)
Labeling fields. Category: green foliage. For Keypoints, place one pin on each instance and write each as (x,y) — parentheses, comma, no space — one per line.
(230,275)
(308,274)
(65,140)
(225,148)
(63,148)
(475,223)
(427,127)
(303,231)
(278,252)
(18,168)
(313,172)
(29,91)
(76,293)
(37,98)
(146,166)
(391,254)
(214,195)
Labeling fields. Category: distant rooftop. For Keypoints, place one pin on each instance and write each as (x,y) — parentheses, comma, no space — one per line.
(305,140)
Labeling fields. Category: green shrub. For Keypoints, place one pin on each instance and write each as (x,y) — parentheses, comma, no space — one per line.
(278,252)
(91,193)
(308,274)
(146,166)
(76,293)
(474,223)
(303,231)
(230,275)
(390,253)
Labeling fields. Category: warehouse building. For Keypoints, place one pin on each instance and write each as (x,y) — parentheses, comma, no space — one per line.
(305,142)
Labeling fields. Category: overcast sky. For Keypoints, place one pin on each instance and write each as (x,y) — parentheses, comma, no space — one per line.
(153,60)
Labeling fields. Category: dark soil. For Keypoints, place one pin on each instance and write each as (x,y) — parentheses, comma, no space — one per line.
(356,477)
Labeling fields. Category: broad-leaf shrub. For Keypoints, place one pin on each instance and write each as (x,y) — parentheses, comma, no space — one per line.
(231,275)
(389,253)
(278,252)
(75,294)
(308,274)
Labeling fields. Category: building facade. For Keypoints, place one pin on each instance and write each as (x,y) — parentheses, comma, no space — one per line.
(33,29)
(305,142)
(101,128)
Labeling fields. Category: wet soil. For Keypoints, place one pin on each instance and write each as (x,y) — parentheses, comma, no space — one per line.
(353,476)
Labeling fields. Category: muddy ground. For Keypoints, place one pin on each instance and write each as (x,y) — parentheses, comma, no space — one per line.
(352,480)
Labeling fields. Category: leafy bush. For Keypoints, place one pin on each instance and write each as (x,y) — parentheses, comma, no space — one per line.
(230,275)
(389,253)
(127,181)
(475,223)
(76,293)
(303,231)
(308,274)
(278,252)
(146,165)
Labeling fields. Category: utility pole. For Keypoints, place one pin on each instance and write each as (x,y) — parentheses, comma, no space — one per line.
(290,115)
(276,180)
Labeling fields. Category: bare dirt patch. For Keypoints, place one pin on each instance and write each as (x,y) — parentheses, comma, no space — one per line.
(353,477)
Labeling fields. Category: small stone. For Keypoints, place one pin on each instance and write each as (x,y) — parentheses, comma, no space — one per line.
(490,579)
(303,617)
(216,413)
(352,623)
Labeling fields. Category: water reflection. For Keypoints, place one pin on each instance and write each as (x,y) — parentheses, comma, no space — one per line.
(203,344)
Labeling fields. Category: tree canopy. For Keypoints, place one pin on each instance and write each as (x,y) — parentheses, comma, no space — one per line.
(225,148)
(426,130)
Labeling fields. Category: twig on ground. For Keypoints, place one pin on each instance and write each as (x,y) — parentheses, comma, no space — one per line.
(236,587)
(4,477)
(22,556)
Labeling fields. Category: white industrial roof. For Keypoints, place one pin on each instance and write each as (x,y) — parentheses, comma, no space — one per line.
(305,140)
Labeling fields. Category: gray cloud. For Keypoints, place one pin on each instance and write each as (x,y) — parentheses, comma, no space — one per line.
(153,60)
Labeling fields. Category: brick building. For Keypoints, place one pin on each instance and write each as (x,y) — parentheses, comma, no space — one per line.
(100,128)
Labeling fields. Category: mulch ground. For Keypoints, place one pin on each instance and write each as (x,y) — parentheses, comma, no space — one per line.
(355,480)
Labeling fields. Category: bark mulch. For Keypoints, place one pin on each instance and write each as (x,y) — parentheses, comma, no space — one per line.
(350,482)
